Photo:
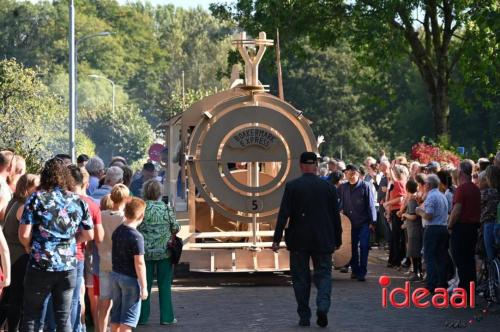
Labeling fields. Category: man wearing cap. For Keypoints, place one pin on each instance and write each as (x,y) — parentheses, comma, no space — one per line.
(433,167)
(148,172)
(310,206)
(357,203)
(463,223)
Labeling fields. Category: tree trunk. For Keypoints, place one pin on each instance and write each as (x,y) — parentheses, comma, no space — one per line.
(441,110)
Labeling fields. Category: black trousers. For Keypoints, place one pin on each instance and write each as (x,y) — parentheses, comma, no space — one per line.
(397,249)
(12,302)
(463,241)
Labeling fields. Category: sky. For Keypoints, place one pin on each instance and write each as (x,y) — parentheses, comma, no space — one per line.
(181,3)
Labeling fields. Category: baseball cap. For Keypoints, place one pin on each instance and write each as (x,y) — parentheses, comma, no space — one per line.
(433,164)
(308,158)
(351,167)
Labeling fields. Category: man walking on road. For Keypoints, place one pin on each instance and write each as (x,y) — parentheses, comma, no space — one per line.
(310,206)
(358,203)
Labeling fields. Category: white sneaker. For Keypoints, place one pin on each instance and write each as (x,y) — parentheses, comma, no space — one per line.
(169,323)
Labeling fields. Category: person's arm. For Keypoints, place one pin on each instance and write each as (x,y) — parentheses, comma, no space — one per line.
(24,234)
(85,235)
(373,210)
(140,270)
(454,215)
(409,217)
(86,232)
(283,215)
(98,233)
(3,206)
(337,224)
(5,259)
(458,200)
(175,227)
(427,212)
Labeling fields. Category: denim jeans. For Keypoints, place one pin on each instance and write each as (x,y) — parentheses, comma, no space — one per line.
(75,301)
(301,279)
(126,300)
(47,320)
(463,245)
(360,237)
(37,285)
(491,234)
(435,243)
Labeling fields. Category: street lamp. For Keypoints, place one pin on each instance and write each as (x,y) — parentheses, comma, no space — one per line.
(73,48)
(112,84)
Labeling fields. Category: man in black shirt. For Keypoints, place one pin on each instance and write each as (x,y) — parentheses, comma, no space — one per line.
(310,206)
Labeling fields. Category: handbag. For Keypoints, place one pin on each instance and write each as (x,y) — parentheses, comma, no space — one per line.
(175,246)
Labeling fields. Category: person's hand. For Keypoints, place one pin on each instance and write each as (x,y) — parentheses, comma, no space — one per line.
(144,294)
(275,247)
(418,210)
(399,214)
(4,283)
(372,228)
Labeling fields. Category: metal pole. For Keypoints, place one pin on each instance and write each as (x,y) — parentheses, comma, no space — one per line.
(183,94)
(72,81)
(281,94)
(113,105)
(254,178)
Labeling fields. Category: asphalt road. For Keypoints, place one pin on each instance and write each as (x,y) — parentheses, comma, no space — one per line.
(265,302)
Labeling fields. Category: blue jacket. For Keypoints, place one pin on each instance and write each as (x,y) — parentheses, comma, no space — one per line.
(358,203)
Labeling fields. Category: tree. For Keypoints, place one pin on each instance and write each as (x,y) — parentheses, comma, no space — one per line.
(124,132)
(33,120)
(433,34)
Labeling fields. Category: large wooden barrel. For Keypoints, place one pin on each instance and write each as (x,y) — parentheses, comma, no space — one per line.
(342,256)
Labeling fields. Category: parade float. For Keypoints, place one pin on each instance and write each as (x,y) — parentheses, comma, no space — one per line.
(232,153)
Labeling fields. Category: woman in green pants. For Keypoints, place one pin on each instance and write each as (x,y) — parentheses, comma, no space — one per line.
(158,226)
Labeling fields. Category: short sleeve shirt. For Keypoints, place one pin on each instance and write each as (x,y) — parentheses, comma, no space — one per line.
(398,190)
(95,214)
(56,217)
(469,196)
(436,205)
(127,243)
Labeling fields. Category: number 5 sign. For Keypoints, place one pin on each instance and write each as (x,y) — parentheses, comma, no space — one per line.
(255,204)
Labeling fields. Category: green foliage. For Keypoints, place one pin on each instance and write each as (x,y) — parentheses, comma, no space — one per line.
(149,49)
(32,120)
(123,132)
(425,67)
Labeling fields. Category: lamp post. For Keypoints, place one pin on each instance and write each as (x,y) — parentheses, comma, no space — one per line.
(112,84)
(73,48)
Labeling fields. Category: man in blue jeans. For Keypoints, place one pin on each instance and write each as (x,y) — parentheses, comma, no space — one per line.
(435,216)
(310,206)
(358,203)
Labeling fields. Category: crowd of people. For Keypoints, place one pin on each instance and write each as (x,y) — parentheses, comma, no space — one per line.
(86,231)
(82,231)
(436,220)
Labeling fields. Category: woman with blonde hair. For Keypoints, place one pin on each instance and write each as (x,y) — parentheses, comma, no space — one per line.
(158,227)
(13,299)
(110,219)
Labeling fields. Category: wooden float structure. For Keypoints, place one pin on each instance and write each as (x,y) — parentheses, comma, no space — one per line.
(231,154)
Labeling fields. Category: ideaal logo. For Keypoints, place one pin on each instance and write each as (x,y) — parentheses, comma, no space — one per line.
(420,296)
